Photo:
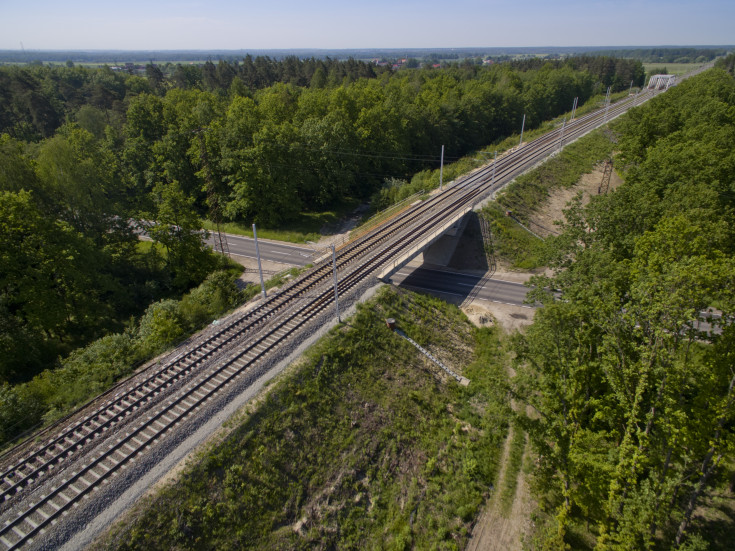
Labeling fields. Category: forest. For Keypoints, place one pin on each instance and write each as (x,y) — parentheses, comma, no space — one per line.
(628,367)
(90,157)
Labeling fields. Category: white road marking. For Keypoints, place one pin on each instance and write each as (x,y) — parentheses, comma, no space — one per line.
(274,243)
(476,298)
(401,272)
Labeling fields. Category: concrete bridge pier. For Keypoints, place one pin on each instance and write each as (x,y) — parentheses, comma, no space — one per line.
(440,252)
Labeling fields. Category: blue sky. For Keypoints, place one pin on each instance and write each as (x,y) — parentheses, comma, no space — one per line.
(267,24)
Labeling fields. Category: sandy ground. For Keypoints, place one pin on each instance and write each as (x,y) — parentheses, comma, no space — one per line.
(553,210)
(496,532)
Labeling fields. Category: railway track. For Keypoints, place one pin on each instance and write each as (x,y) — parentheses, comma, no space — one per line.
(41,488)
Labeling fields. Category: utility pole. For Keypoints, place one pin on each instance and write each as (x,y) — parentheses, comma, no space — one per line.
(607,102)
(336,294)
(441,170)
(561,138)
(260,268)
(631,88)
(523,125)
(495,163)
(606,175)
(574,108)
(215,212)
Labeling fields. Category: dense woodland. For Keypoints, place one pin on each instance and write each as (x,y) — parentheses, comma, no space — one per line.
(635,400)
(85,151)
(727,63)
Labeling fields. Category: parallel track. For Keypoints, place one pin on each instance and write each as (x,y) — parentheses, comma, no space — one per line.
(170,392)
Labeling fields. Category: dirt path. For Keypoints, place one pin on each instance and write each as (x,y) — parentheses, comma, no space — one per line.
(494,531)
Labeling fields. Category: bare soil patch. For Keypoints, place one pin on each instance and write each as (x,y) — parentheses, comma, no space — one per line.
(510,318)
(552,210)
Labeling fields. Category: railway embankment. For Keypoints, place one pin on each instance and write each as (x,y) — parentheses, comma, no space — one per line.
(362,441)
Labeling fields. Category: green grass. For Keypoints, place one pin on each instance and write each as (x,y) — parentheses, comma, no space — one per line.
(307,227)
(670,68)
(290,235)
(360,446)
(509,483)
(511,242)
(145,247)
(529,191)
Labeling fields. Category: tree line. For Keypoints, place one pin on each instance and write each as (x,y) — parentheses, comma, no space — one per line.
(726,63)
(629,374)
(667,55)
(85,152)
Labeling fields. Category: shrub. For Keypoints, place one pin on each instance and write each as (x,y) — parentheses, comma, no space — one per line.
(161,326)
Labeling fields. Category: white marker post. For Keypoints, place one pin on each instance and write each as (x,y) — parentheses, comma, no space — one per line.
(260,268)
(336,294)
(523,125)
(441,170)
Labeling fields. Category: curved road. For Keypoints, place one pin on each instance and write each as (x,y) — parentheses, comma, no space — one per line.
(271,251)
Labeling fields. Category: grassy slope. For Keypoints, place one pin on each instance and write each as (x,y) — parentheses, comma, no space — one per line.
(360,446)
(529,191)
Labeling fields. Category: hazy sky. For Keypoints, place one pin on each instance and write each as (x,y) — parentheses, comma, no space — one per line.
(266,24)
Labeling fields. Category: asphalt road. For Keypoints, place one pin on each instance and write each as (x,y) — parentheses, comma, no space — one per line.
(270,251)
(461,285)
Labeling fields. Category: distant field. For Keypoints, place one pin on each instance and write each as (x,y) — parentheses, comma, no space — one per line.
(118,63)
(670,68)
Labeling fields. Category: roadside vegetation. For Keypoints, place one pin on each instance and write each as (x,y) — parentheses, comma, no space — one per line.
(363,444)
(634,398)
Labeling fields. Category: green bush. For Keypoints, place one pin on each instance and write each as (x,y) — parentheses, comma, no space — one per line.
(511,242)
(161,326)
(217,294)
(19,410)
